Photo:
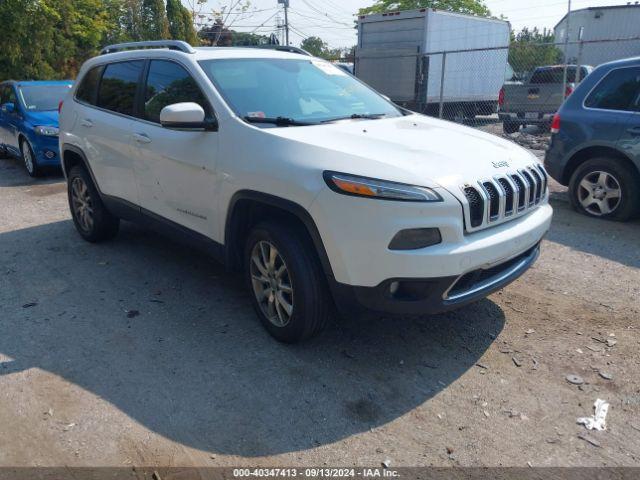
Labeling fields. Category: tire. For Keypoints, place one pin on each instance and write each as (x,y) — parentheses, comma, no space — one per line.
(29,159)
(510,127)
(301,285)
(91,218)
(605,188)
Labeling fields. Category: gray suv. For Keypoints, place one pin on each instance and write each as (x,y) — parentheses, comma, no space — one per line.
(595,143)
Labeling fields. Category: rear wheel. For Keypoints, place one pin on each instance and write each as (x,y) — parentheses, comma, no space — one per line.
(605,188)
(29,158)
(510,127)
(284,275)
(91,218)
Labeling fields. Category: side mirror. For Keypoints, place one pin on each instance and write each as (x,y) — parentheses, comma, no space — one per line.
(188,116)
(9,107)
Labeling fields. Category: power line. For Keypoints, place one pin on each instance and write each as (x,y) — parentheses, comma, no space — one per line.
(315,9)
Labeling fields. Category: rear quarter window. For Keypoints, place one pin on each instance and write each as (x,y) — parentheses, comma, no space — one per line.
(618,90)
(87,91)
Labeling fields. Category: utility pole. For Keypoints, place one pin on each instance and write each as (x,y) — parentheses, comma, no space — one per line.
(285,4)
(566,48)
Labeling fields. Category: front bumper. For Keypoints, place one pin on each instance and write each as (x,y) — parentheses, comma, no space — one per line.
(356,233)
(46,150)
(432,295)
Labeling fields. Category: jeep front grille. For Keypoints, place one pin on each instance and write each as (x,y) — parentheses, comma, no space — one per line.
(494,200)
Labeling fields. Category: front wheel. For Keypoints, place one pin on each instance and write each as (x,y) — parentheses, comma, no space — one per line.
(91,218)
(605,188)
(29,158)
(286,281)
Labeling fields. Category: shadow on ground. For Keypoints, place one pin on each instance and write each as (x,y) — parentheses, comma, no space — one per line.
(195,366)
(616,241)
(21,178)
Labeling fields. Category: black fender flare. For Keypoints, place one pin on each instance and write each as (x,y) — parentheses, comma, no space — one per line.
(288,206)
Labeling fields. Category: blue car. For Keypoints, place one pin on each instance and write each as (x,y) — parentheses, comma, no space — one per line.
(29,122)
(595,142)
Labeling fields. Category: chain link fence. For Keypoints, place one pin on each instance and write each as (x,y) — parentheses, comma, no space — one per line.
(503,90)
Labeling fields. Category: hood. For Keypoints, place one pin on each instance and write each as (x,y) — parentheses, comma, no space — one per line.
(414,149)
(47,118)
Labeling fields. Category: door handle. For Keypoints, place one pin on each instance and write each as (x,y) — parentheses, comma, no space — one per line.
(634,130)
(141,138)
(85,122)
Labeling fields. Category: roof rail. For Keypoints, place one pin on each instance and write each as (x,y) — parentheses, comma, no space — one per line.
(283,48)
(170,44)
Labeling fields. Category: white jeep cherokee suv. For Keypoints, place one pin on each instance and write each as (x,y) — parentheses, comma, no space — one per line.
(294,172)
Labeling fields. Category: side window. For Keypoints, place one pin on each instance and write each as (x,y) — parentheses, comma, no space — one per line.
(618,90)
(169,83)
(118,86)
(88,88)
(10,96)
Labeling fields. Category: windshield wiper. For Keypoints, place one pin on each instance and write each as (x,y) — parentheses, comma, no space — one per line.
(279,121)
(357,116)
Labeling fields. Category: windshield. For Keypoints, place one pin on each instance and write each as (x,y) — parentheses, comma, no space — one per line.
(39,98)
(310,91)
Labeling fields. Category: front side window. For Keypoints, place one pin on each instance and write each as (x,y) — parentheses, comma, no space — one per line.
(8,95)
(42,98)
(169,83)
(88,88)
(619,90)
(118,86)
(311,91)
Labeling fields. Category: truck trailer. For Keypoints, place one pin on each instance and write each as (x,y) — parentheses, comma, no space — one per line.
(402,55)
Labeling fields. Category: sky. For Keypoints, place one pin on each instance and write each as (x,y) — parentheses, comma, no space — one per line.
(332,20)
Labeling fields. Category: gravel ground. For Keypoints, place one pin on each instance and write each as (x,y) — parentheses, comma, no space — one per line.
(141,352)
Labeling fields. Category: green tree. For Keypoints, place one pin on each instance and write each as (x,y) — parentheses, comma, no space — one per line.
(246,39)
(153,20)
(531,48)
(473,7)
(180,24)
(315,46)
(49,39)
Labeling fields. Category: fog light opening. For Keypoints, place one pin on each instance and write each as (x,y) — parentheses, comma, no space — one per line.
(415,238)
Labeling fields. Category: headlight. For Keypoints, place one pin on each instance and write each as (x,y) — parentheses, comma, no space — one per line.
(47,131)
(380,189)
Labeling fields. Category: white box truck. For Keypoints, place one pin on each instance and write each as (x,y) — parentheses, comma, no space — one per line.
(400,54)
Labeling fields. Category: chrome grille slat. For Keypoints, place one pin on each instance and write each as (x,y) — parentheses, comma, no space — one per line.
(491,201)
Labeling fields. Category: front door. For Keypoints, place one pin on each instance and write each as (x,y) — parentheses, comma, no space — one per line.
(175,168)
(11,121)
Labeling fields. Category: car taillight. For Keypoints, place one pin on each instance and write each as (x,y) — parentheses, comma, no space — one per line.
(568,91)
(501,97)
(60,106)
(555,123)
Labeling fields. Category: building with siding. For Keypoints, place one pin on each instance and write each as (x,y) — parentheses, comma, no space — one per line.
(588,28)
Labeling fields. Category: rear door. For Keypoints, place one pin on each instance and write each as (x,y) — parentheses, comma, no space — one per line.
(615,99)
(630,135)
(175,168)
(106,128)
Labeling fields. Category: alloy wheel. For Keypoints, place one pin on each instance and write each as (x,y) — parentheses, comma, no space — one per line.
(81,202)
(599,193)
(271,283)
